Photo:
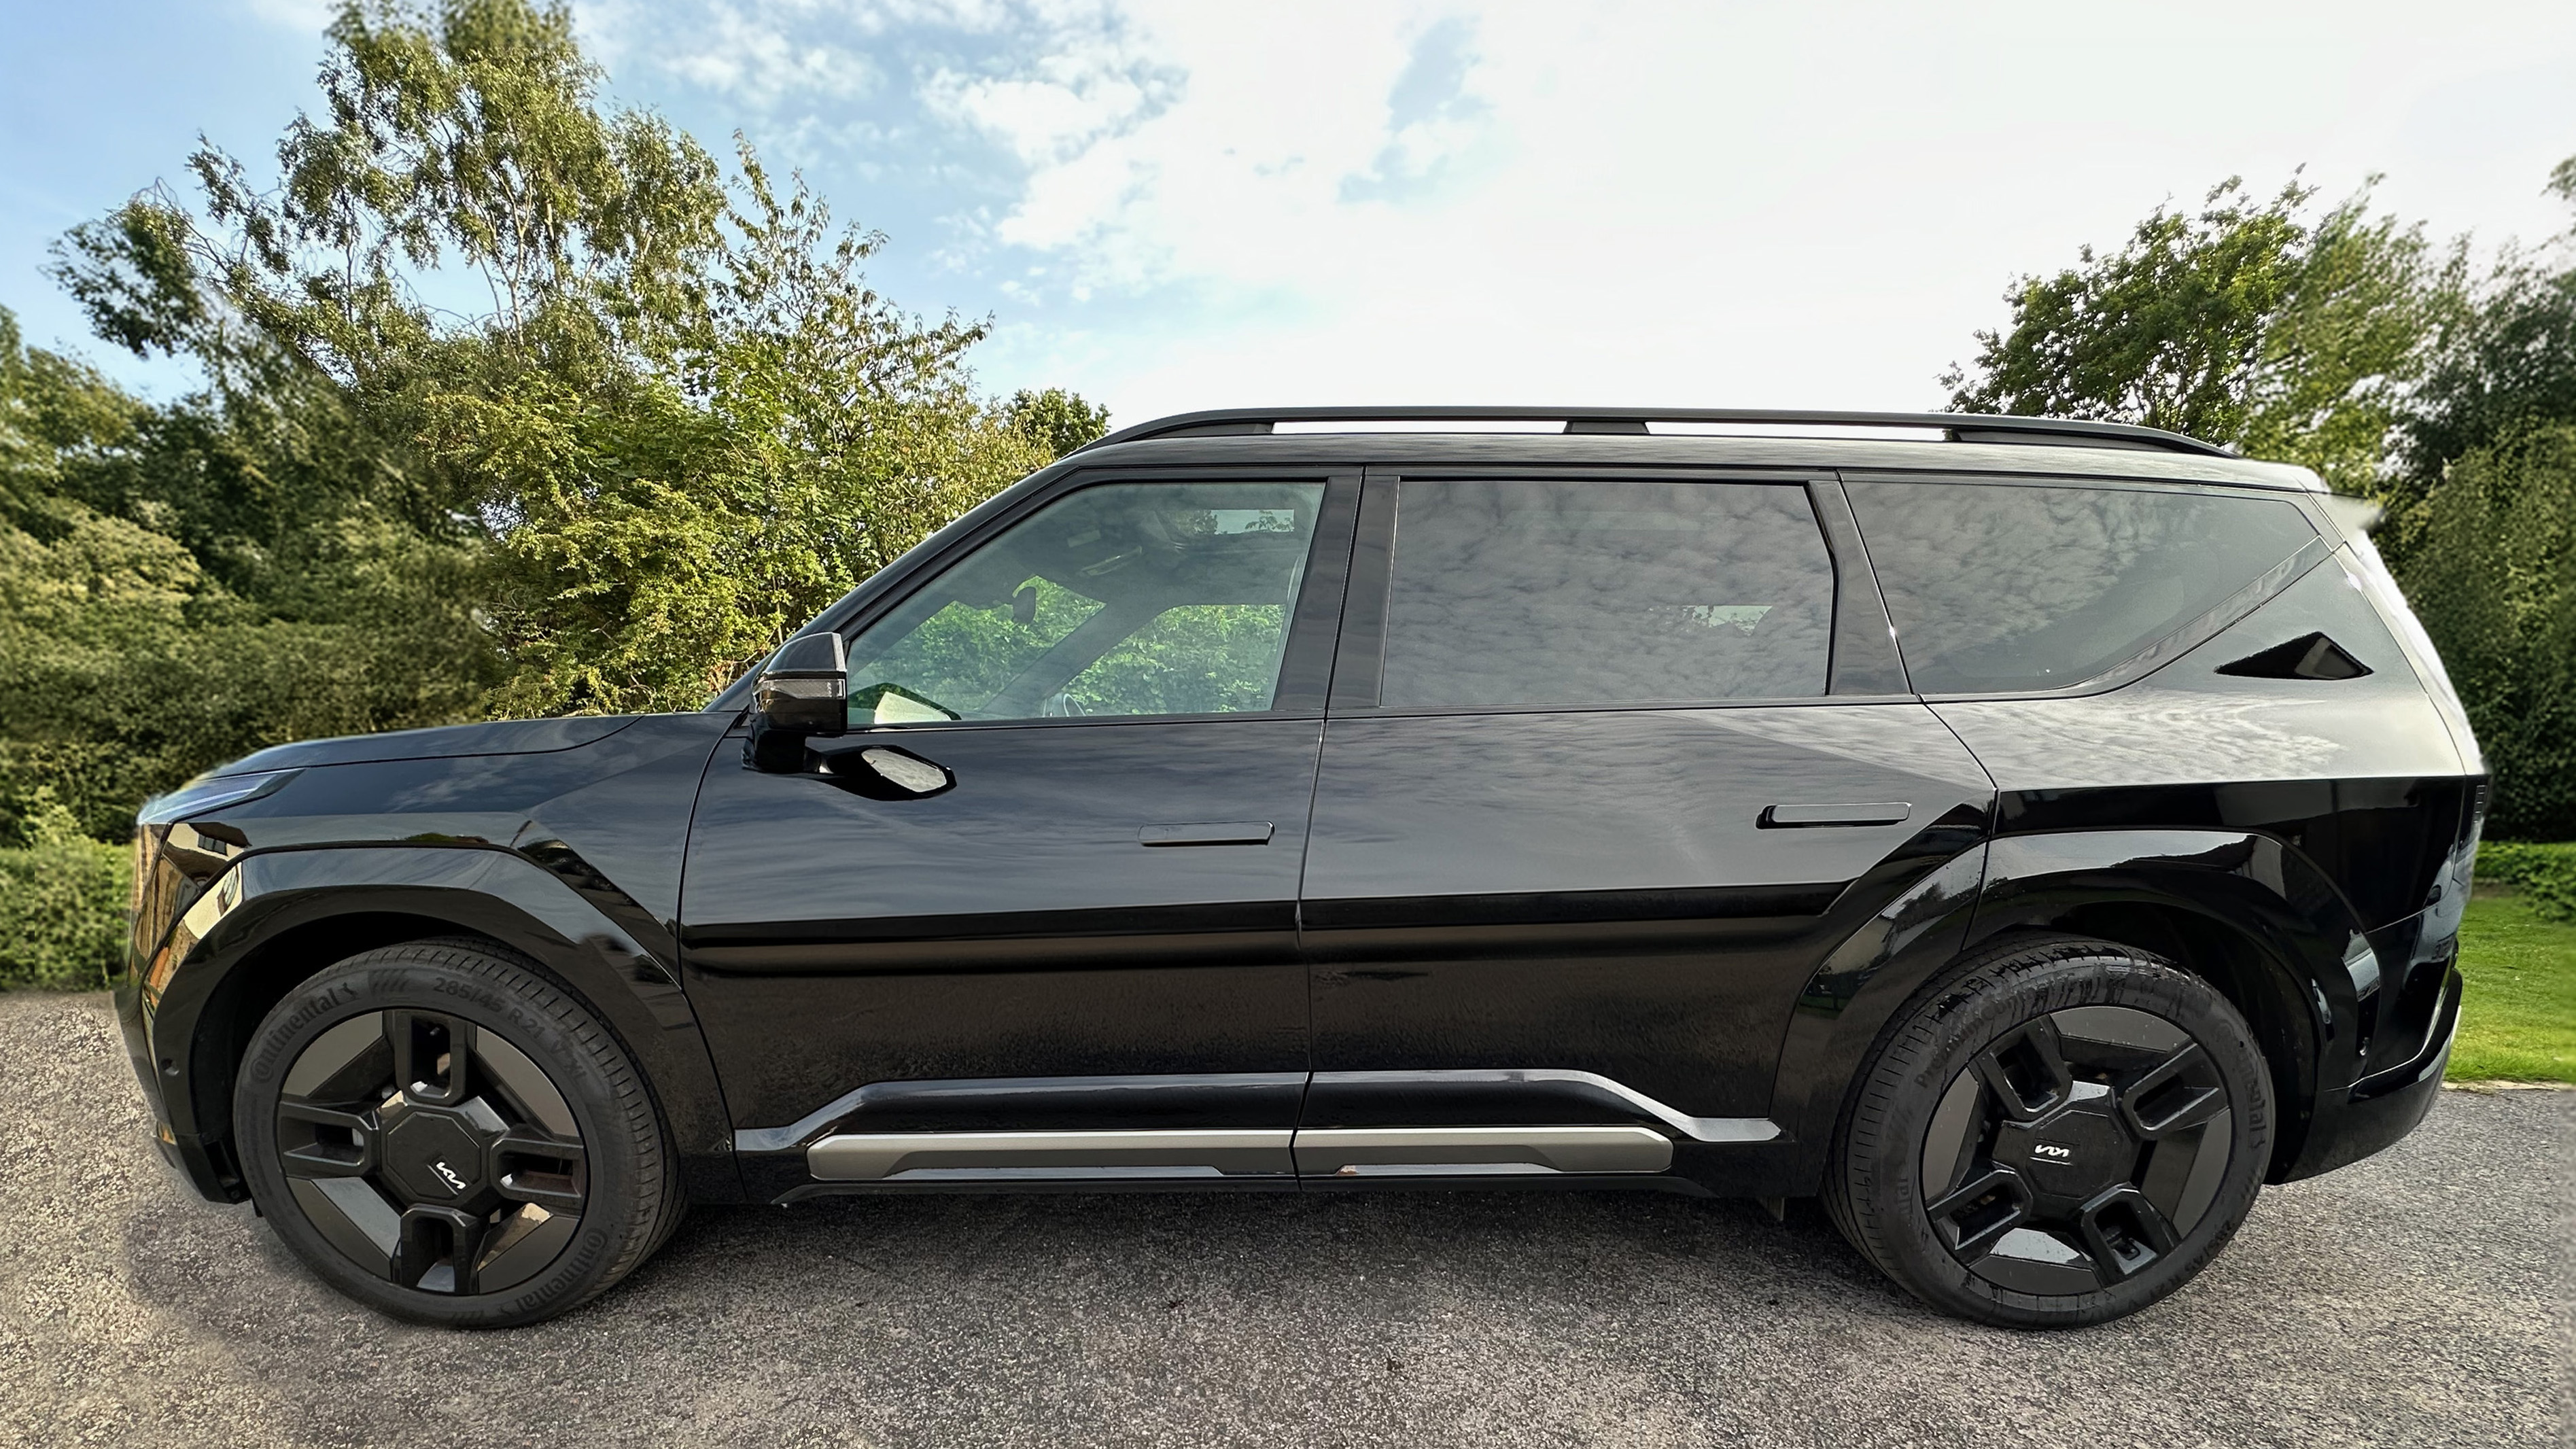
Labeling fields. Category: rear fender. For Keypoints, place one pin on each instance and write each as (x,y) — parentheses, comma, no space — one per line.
(2244,910)
(2248,912)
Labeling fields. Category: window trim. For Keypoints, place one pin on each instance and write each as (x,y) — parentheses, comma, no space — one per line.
(1305,663)
(1360,671)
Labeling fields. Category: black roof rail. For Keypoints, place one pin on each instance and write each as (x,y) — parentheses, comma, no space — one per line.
(1956,427)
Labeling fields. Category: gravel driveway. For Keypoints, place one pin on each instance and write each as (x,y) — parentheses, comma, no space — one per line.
(2419,1298)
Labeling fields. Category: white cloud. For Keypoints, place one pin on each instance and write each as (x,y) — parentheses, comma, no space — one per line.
(762,62)
(1172,203)
(1710,204)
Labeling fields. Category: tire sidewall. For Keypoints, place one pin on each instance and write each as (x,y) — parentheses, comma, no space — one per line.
(387,981)
(1884,1164)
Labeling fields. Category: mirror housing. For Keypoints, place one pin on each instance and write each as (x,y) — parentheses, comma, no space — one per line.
(803,693)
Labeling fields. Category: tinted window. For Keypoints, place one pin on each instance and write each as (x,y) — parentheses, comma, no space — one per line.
(1605,593)
(1126,599)
(1999,587)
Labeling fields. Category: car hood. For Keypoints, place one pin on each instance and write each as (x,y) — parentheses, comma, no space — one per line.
(497,737)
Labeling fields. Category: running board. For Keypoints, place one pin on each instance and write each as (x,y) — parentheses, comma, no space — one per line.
(1437,1151)
(889,1156)
(966,1157)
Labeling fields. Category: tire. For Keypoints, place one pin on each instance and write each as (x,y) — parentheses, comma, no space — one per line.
(499,1185)
(2032,1142)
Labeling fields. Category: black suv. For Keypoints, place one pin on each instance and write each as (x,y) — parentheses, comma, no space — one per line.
(2030,837)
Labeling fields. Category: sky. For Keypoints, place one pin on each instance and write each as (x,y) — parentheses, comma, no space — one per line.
(1173,204)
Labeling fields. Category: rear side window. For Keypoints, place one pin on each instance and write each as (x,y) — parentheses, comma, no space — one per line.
(1511,592)
(2004,587)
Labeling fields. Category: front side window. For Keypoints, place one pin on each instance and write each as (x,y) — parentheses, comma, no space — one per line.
(1578,592)
(1997,587)
(1125,599)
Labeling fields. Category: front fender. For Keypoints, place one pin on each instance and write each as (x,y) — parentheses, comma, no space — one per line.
(273,917)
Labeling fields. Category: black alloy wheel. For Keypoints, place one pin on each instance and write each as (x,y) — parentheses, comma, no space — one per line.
(431,1152)
(443,1133)
(2059,1133)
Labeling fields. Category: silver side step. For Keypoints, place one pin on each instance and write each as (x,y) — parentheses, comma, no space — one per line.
(1415,1151)
(883,1156)
(1313,1152)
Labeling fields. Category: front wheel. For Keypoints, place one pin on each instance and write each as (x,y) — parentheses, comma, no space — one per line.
(445,1135)
(2059,1133)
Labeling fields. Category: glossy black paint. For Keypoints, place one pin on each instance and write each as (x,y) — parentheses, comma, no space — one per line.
(1013,927)
(1592,890)
(2323,825)
(1455,918)
(447,742)
(568,853)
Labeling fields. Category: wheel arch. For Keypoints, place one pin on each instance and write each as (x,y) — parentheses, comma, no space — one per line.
(285,915)
(2245,912)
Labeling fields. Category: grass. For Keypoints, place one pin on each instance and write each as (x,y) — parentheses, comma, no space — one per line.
(2518,1022)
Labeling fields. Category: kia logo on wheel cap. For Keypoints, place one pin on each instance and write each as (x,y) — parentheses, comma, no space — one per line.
(454,1182)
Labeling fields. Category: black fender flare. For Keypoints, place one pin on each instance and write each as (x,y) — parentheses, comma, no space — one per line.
(275,916)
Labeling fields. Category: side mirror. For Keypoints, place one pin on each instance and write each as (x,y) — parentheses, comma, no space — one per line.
(804,692)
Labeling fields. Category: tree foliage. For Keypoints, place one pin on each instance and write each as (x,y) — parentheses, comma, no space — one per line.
(2506,367)
(163,608)
(574,416)
(1056,420)
(63,898)
(2240,323)
(2493,576)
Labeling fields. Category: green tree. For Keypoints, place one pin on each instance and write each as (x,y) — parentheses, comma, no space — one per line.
(1058,420)
(2241,323)
(2493,576)
(681,423)
(2506,366)
(2483,525)
(132,657)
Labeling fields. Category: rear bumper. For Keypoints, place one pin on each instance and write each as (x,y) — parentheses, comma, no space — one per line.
(2383,1107)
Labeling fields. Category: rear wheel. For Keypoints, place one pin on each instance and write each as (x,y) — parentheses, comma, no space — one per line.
(2059,1133)
(445,1135)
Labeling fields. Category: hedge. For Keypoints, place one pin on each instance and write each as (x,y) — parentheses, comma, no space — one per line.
(63,899)
(2546,874)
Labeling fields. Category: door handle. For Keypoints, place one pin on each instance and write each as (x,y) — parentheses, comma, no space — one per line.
(1792,817)
(1207,832)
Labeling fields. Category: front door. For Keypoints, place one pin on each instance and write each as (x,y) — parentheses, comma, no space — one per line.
(1034,916)
(1589,815)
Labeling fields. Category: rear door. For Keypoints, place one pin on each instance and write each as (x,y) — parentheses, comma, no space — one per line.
(1045,889)
(1611,763)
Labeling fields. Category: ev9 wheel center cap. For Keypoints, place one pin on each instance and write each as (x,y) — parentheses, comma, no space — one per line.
(2072,1154)
(434,1156)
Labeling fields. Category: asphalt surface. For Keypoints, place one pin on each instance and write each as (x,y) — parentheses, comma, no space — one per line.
(2420,1298)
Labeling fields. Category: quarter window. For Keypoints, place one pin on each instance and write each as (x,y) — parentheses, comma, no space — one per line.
(1125,599)
(1998,587)
(1524,593)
